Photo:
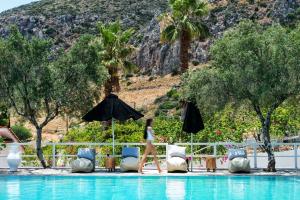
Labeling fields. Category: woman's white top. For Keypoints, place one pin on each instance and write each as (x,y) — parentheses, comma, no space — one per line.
(150,133)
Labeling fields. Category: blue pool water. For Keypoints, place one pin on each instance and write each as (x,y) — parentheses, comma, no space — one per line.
(154,188)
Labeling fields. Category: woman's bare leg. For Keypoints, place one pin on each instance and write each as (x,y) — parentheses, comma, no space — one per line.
(142,162)
(155,158)
(147,151)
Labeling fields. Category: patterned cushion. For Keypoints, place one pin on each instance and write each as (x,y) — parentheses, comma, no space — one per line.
(236,153)
(86,153)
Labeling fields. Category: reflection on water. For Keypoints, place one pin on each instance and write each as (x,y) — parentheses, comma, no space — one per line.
(175,189)
(148,188)
(13,189)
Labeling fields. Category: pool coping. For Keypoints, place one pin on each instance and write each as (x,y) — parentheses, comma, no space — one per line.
(148,173)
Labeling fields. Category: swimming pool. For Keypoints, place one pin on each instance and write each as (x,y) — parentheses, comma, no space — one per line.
(172,187)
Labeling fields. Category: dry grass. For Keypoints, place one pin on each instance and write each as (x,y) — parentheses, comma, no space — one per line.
(140,93)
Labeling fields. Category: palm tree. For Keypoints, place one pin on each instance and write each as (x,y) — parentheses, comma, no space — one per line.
(114,50)
(184,24)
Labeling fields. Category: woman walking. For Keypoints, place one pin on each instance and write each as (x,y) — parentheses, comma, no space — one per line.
(149,137)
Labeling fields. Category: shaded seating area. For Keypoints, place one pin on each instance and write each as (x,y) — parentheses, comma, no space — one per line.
(110,109)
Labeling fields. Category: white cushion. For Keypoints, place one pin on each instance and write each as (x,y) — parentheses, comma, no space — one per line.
(176,151)
(82,165)
(129,164)
(176,164)
(239,165)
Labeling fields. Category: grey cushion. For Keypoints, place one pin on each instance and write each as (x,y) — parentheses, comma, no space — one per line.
(129,164)
(130,152)
(86,153)
(236,153)
(239,165)
(82,165)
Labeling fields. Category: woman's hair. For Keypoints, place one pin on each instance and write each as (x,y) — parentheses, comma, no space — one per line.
(148,123)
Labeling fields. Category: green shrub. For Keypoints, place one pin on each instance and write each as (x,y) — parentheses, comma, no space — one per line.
(161,113)
(171,93)
(22,133)
(3,122)
(4,116)
(2,145)
(131,131)
(168,105)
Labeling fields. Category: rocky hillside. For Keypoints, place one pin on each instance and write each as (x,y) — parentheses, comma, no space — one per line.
(164,58)
(66,20)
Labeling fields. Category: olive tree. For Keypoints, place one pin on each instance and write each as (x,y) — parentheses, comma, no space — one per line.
(40,84)
(250,65)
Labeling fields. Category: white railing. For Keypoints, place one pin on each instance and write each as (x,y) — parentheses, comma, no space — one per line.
(287,154)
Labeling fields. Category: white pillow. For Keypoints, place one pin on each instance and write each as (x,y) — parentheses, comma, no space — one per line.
(176,151)
(129,164)
(176,164)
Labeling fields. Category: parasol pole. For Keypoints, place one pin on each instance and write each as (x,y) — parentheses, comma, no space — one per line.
(192,152)
(113,134)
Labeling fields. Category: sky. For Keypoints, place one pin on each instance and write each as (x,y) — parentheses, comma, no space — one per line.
(8,4)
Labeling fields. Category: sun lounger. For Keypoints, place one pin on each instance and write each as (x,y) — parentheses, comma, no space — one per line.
(176,159)
(130,159)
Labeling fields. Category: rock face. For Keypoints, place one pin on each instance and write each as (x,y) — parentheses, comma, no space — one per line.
(154,57)
(65,20)
(159,58)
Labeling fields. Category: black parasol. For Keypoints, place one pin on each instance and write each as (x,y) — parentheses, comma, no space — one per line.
(109,109)
(193,123)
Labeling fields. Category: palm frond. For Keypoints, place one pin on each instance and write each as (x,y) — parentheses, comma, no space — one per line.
(128,67)
(126,35)
(126,51)
(169,34)
(202,30)
(114,27)
(201,9)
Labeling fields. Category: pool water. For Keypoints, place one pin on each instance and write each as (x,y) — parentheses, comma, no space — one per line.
(154,188)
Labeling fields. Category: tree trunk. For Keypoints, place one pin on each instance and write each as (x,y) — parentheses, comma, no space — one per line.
(268,146)
(184,50)
(112,84)
(266,123)
(39,150)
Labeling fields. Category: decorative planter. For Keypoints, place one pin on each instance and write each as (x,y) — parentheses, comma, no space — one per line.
(14,157)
